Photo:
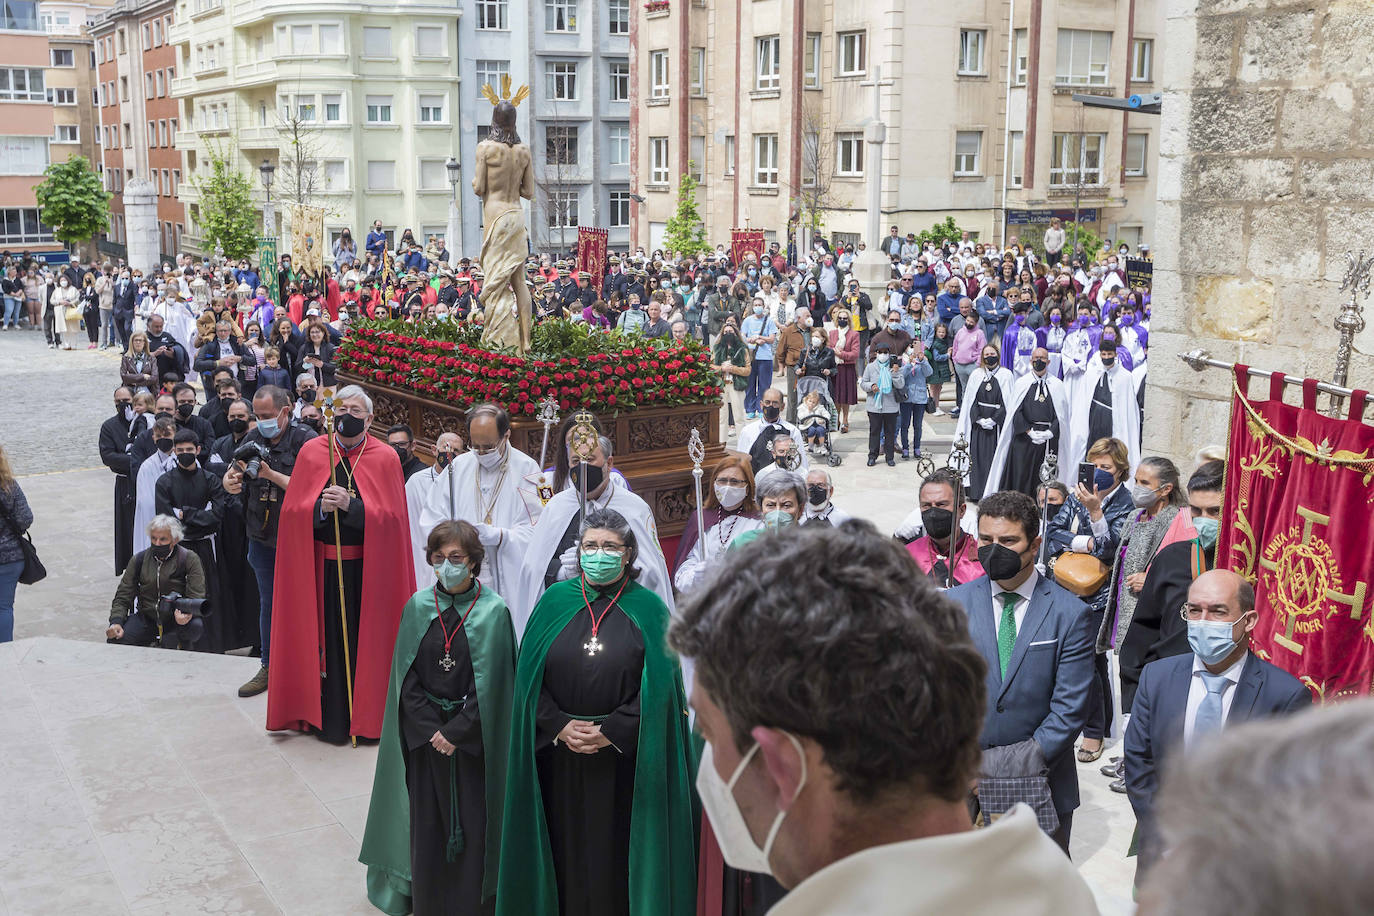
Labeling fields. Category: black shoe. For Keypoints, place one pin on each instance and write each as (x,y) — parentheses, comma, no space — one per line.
(872,461)
(1118,786)
(891,463)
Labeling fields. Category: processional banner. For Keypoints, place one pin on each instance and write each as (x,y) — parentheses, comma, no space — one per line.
(591,253)
(307,240)
(1298,507)
(744,241)
(267,265)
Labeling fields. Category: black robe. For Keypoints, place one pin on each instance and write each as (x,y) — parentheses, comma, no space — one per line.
(200,497)
(438,886)
(988,404)
(335,717)
(114,454)
(1099,414)
(588,798)
(239,582)
(1024,457)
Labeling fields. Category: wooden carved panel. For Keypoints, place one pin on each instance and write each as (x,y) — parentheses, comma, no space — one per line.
(672,505)
(434,422)
(388,410)
(652,434)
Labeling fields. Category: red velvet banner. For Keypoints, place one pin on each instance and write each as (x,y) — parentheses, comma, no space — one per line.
(744,241)
(1299,503)
(591,254)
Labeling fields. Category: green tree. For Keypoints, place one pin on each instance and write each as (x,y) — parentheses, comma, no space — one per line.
(1089,241)
(227,216)
(685,233)
(73,201)
(939,232)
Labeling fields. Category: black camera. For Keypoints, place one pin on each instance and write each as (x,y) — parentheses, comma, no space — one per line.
(175,602)
(252,454)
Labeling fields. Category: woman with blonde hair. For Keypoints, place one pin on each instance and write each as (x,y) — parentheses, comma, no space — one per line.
(138,367)
(15,519)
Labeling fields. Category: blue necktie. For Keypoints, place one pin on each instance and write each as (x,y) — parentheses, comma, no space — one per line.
(1208,718)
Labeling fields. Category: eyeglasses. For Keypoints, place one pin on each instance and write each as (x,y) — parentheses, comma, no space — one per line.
(1191,611)
(485,449)
(614,550)
(456,559)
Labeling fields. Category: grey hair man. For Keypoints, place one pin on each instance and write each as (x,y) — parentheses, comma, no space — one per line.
(138,615)
(819,508)
(841,699)
(306,388)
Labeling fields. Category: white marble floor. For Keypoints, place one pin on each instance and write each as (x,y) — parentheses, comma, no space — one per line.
(135,781)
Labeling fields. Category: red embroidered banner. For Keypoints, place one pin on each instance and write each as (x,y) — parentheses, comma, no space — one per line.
(745,241)
(591,254)
(1299,503)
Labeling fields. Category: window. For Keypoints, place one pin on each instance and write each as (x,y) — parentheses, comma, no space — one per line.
(157,32)
(149,86)
(147,37)
(967,146)
(618,145)
(433,175)
(560,145)
(333,108)
(66,133)
(1016,158)
(562,209)
(489,73)
(491,14)
(620,209)
(24,155)
(849,154)
(22,85)
(560,15)
(63,57)
(811,61)
(305,108)
(23,227)
(1020,63)
(620,81)
(129,137)
(561,76)
(152,133)
(1072,161)
(376,41)
(972,43)
(164,184)
(331,39)
(429,41)
(618,17)
(164,138)
(158,84)
(124,88)
(766,160)
(658,160)
(335,175)
(432,108)
(729,154)
(1137,145)
(768,63)
(658,74)
(698,78)
(379,110)
(850,54)
(1142,60)
(381,175)
(1084,58)
(62,96)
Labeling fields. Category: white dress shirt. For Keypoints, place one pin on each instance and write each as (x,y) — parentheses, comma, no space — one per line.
(1197,690)
(1023,598)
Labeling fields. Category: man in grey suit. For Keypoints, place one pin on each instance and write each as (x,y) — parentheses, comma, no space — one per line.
(1183,699)
(1036,639)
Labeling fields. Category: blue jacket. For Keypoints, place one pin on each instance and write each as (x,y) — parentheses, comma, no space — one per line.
(1155,731)
(925,285)
(1045,694)
(1061,531)
(914,376)
(376,243)
(947,306)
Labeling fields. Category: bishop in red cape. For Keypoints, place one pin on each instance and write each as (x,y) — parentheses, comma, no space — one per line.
(307,686)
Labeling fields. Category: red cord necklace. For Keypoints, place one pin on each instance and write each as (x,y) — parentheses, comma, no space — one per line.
(593,645)
(447,661)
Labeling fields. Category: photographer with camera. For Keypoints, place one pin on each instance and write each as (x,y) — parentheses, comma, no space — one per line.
(258,476)
(161,594)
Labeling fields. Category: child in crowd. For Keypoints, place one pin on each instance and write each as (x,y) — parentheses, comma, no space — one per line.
(814,419)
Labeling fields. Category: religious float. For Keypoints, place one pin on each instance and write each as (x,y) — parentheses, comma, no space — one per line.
(649,395)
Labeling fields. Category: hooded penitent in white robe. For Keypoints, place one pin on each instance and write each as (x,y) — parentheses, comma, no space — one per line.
(153,467)
(1125,413)
(1059,398)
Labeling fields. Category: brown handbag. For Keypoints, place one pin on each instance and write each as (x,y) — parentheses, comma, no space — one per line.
(1081,573)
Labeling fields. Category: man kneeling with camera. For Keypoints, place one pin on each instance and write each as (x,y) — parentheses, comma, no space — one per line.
(161,597)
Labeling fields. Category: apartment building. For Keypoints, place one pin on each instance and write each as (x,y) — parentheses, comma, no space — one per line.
(771,104)
(26,128)
(138,118)
(70,81)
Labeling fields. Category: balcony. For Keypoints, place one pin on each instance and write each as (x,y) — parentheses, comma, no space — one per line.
(179,33)
(184,139)
(259,138)
(255,73)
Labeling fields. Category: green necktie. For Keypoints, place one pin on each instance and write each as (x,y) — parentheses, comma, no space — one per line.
(1006,631)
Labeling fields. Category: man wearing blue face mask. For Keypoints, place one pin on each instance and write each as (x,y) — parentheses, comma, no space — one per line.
(1182,701)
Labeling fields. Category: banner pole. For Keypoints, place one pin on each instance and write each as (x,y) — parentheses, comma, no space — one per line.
(1200,360)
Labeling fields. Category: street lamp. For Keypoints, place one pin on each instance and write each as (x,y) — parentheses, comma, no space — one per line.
(455,209)
(269,219)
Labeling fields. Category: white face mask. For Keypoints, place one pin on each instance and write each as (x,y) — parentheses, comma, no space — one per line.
(492,460)
(737,844)
(729,495)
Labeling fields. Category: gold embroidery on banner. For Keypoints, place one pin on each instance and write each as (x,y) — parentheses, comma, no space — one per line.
(1305,577)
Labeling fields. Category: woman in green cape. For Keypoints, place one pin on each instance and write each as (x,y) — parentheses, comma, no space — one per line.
(598,818)
(433,833)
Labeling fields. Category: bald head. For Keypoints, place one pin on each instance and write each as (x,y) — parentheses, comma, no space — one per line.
(448,442)
(1223,587)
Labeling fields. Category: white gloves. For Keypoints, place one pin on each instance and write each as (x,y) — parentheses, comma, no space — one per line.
(568,563)
(987,423)
(489,535)
(1040,436)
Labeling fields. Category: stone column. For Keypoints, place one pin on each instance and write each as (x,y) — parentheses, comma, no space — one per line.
(140,225)
(872,268)
(1266,178)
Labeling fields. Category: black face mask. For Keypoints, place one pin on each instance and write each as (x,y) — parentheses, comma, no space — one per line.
(402,451)
(442,460)
(842,323)
(992,362)
(1108,361)
(185,410)
(592,474)
(161,552)
(817,494)
(164,445)
(307,395)
(314,423)
(186,459)
(1000,562)
(350,426)
(1040,365)
(238,426)
(771,412)
(938,522)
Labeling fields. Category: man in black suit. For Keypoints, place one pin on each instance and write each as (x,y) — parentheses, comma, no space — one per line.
(1035,637)
(125,295)
(1183,699)
(164,347)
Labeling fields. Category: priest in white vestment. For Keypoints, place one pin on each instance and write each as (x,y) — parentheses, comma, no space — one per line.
(417,494)
(153,467)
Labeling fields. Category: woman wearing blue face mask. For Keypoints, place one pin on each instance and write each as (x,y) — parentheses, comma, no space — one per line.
(433,837)
(598,815)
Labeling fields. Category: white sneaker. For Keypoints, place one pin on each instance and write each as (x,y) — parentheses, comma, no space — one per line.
(52,346)
(731,434)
